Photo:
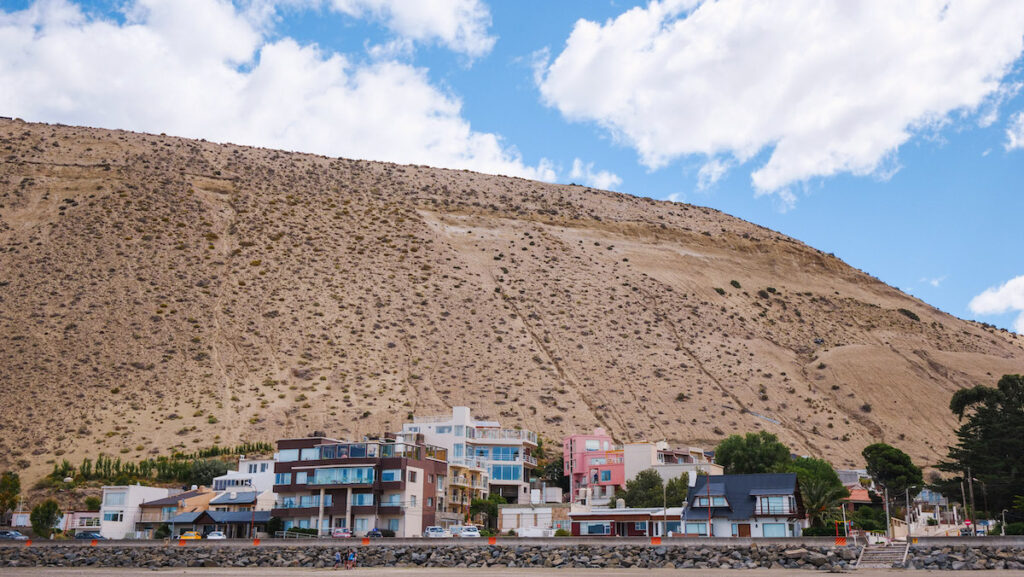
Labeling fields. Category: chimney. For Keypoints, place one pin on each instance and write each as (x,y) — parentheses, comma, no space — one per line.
(233,495)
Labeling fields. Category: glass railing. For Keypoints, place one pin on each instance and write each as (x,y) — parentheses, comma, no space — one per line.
(506,435)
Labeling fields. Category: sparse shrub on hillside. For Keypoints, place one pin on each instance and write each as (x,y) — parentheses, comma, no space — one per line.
(735,283)
(909,314)
(866,407)
(719,290)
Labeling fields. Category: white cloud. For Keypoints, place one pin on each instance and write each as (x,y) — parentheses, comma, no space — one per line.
(1015,132)
(827,87)
(205,69)
(935,282)
(999,300)
(461,25)
(602,179)
(711,172)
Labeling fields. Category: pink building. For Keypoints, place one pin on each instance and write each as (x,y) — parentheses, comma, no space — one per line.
(595,467)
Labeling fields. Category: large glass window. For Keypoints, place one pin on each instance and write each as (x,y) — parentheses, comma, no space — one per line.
(343,476)
(458,449)
(283,479)
(504,453)
(595,528)
(362,499)
(696,528)
(393,525)
(314,501)
(445,430)
(459,431)
(774,529)
(360,525)
(392,500)
(287,455)
(606,475)
(115,516)
(113,499)
(301,478)
(593,445)
(310,454)
(506,472)
(391,475)
(482,452)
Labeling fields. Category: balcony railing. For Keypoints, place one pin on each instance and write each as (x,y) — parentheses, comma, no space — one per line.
(472,462)
(780,510)
(530,460)
(507,435)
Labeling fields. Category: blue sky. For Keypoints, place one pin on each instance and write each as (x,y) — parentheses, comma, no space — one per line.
(892,136)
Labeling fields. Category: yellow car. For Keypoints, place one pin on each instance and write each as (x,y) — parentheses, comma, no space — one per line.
(190,535)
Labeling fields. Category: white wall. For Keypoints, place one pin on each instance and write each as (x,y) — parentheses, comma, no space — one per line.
(134,495)
(412,524)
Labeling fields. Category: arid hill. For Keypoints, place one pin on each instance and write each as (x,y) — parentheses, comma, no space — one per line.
(158,292)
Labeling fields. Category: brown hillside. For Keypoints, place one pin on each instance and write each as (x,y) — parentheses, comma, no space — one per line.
(159,292)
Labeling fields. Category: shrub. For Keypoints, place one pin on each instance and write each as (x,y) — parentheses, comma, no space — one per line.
(92,503)
(866,407)
(735,283)
(562,533)
(819,531)
(162,532)
(720,291)
(387,533)
(909,314)
(1015,528)
(43,517)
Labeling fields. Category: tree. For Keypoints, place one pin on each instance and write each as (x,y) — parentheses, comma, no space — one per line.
(10,488)
(92,503)
(43,517)
(644,490)
(488,507)
(892,468)
(822,500)
(810,469)
(868,519)
(203,472)
(752,453)
(554,473)
(990,442)
(676,490)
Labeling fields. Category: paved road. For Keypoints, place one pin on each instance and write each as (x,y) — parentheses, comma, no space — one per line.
(424,572)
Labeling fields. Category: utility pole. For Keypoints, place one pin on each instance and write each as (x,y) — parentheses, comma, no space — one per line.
(974,521)
(664,509)
(709,506)
(888,519)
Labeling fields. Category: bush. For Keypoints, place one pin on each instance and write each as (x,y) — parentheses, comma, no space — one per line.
(92,503)
(43,517)
(909,314)
(820,532)
(302,531)
(1015,528)
(162,532)
(562,533)
(735,283)
(720,291)
(387,533)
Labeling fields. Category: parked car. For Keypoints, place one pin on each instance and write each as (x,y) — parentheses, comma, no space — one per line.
(434,531)
(374,534)
(89,535)
(13,535)
(216,535)
(190,535)
(341,533)
(469,532)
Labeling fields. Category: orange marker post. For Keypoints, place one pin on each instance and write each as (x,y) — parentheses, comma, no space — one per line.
(28,543)
(181,542)
(366,541)
(492,540)
(93,543)
(255,542)
(840,541)
(655,540)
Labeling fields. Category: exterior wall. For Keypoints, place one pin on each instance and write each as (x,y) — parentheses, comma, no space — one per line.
(692,469)
(262,477)
(81,521)
(579,465)
(134,495)
(638,457)
(554,516)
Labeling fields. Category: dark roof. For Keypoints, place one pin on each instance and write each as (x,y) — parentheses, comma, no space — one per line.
(173,499)
(739,491)
(241,497)
(225,517)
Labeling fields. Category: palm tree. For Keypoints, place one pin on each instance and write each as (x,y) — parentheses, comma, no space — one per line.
(822,500)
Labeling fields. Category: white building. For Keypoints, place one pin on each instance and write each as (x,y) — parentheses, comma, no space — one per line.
(505,455)
(251,474)
(120,509)
(669,463)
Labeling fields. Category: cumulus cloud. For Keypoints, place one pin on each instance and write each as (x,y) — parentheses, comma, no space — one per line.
(602,179)
(711,172)
(999,300)
(207,69)
(1015,132)
(827,88)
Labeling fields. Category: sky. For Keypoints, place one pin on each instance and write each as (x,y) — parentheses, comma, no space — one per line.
(888,133)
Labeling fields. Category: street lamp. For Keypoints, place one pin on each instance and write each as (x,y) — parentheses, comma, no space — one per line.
(252,517)
(1002,527)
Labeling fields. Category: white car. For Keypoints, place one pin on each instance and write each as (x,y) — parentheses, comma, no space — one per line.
(216,535)
(469,532)
(434,531)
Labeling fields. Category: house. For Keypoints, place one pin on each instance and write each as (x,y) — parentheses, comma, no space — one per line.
(243,501)
(234,524)
(761,505)
(625,521)
(252,474)
(155,513)
(669,463)
(545,518)
(396,485)
(487,457)
(75,521)
(121,508)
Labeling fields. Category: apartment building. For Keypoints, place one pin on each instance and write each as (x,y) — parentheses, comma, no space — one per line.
(668,462)
(121,509)
(487,457)
(394,485)
(252,474)
(153,514)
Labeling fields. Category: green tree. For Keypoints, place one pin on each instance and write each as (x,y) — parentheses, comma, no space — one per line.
(43,517)
(811,469)
(92,503)
(554,473)
(676,489)
(892,469)
(752,453)
(10,488)
(868,519)
(822,500)
(644,490)
(488,507)
(990,440)
(203,472)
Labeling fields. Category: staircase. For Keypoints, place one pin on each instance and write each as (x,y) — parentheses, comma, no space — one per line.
(883,556)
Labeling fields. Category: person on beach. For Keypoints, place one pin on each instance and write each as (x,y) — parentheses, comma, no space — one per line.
(337,559)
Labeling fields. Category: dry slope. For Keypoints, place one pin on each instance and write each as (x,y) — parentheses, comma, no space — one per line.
(159,292)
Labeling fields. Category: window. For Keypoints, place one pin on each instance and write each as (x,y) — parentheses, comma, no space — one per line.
(413,429)
(343,476)
(167,512)
(599,461)
(412,476)
(719,502)
(252,467)
(606,445)
(412,500)
(460,431)
(393,525)
(482,452)
(314,501)
(504,453)
(640,526)
(287,503)
(595,528)
(696,528)
(606,475)
(283,479)
(430,479)
(393,500)
(287,455)
(388,475)
(735,530)
(445,430)
(362,499)
(773,529)
(593,445)
(303,523)
(506,472)
(777,505)
(113,516)
(310,454)
(458,449)
(113,499)
(359,525)
(301,478)
(430,502)
(263,467)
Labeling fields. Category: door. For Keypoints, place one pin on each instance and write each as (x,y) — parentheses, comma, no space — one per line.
(743,530)
(620,530)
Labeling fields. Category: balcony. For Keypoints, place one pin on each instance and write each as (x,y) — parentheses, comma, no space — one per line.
(469,462)
(775,511)
(511,435)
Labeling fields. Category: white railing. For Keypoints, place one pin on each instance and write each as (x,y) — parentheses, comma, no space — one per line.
(507,435)
(432,419)
(467,462)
